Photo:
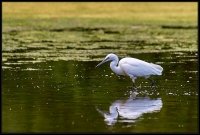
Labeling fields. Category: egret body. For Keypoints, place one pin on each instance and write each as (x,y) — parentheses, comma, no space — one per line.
(132,67)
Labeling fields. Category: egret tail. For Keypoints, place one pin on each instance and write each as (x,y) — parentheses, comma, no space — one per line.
(158,68)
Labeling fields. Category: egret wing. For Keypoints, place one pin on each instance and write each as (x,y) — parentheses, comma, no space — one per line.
(137,68)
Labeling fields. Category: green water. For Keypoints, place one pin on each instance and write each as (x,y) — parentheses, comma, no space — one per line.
(62,96)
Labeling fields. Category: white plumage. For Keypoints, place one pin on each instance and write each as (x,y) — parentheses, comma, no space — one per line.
(132,67)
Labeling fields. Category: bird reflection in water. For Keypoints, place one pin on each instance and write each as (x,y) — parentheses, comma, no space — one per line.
(110,117)
(131,109)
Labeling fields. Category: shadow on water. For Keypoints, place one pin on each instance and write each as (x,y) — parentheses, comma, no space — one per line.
(129,110)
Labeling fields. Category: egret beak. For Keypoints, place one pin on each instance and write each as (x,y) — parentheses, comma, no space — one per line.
(105,60)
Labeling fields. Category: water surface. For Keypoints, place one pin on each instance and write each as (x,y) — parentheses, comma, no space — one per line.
(63,96)
(49,79)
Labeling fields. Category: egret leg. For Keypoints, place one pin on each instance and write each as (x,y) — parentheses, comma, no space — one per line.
(134,86)
(132,91)
(152,82)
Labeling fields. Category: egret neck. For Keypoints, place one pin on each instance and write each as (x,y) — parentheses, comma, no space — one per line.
(115,68)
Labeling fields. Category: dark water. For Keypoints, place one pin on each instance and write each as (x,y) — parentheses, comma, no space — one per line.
(71,96)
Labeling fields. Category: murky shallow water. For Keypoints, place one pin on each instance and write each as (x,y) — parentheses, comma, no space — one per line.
(69,96)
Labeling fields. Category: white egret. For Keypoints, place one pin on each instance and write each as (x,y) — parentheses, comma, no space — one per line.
(132,67)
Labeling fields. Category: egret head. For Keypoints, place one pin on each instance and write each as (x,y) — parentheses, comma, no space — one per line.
(109,57)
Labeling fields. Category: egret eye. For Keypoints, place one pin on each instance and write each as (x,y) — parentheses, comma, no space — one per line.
(107,58)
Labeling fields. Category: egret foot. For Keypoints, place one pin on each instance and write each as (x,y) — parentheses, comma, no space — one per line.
(133,94)
(135,87)
(152,82)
